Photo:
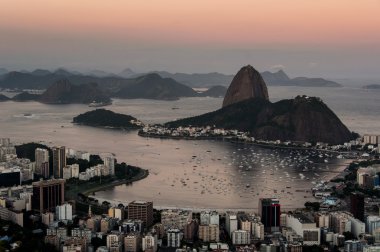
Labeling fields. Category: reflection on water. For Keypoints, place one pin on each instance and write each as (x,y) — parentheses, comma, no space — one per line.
(220,175)
(204,174)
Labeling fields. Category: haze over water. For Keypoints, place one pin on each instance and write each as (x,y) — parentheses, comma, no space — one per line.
(202,174)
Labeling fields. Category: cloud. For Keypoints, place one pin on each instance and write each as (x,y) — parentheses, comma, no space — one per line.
(277,67)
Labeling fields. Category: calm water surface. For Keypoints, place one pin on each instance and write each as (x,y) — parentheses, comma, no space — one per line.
(201,174)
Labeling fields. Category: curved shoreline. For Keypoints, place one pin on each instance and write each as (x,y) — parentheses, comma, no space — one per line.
(144,173)
(235,140)
(141,175)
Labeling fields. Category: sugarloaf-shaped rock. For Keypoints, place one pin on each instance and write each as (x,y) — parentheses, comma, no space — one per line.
(247,83)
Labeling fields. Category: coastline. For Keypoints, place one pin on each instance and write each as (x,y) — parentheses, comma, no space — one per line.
(235,140)
(72,193)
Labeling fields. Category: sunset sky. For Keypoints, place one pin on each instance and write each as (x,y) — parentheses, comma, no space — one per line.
(327,38)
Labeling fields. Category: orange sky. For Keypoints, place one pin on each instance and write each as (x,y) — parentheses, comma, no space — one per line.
(220,24)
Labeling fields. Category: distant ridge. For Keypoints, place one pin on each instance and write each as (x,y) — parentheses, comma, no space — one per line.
(4,98)
(63,92)
(372,86)
(153,86)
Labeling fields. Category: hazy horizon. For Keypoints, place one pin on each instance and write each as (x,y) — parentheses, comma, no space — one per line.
(305,38)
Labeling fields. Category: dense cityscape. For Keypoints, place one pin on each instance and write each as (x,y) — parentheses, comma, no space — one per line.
(190,126)
(46,205)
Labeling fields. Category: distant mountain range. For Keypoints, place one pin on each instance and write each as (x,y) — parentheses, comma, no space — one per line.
(41,79)
(4,98)
(148,86)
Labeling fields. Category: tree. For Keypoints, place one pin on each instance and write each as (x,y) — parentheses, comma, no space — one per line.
(313,205)
(348,236)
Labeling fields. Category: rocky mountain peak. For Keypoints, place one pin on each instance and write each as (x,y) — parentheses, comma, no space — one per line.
(247,83)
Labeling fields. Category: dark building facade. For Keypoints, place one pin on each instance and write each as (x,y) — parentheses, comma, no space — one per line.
(47,194)
(10,178)
(141,210)
(59,161)
(190,230)
(357,205)
(269,211)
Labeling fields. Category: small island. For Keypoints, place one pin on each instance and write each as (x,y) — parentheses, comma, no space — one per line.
(108,119)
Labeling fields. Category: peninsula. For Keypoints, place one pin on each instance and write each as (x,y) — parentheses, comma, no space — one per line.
(246,107)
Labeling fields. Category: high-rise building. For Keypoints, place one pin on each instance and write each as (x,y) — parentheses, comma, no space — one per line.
(132,243)
(241,237)
(64,212)
(141,210)
(357,205)
(10,177)
(149,241)
(59,161)
(116,212)
(115,241)
(209,233)
(231,222)
(47,194)
(109,163)
(174,238)
(190,229)
(45,170)
(42,158)
(209,218)
(269,211)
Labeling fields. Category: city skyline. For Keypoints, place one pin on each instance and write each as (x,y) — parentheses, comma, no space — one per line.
(304,38)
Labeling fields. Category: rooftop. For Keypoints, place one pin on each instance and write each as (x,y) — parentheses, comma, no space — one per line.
(302,218)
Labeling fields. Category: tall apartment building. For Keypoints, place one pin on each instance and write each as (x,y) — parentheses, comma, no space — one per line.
(47,194)
(231,222)
(132,243)
(269,211)
(305,228)
(59,161)
(41,157)
(174,238)
(190,230)
(240,237)
(149,241)
(45,170)
(115,242)
(245,222)
(209,218)
(141,210)
(64,212)
(357,205)
(6,148)
(109,163)
(116,212)
(209,233)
